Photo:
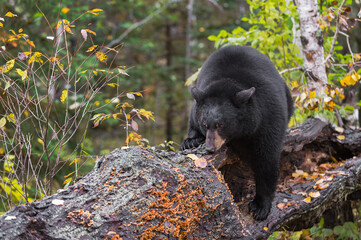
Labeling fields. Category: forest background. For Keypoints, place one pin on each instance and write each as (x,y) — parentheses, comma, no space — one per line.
(80,78)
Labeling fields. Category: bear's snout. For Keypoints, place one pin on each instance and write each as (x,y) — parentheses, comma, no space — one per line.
(213,141)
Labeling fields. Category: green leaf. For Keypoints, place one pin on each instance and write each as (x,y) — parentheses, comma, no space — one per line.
(289,23)
(212,38)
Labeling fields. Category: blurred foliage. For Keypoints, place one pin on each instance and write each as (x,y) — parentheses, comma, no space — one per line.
(142,43)
(269,29)
(100,40)
(349,230)
(48,96)
(272,27)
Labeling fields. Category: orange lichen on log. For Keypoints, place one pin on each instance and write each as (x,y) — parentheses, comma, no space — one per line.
(113,236)
(81,217)
(174,214)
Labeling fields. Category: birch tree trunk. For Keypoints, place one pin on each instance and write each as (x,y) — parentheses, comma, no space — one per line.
(312,44)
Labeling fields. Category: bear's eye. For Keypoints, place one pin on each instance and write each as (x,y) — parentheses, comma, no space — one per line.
(205,125)
(219,125)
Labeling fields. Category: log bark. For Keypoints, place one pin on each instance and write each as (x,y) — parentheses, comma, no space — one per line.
(140,193)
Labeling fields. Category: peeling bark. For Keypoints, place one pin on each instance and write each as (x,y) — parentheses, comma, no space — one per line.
(312,44)
(140,193)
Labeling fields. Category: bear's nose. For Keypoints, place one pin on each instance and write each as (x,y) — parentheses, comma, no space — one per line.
(210,149)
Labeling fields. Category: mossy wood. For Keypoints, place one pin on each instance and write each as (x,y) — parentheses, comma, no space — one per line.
(139,193)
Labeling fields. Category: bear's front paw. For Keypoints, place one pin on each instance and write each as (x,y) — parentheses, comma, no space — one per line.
(191,143)
(186,144)
(260,209)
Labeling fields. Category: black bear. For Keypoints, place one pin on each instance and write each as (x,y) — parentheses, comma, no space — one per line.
(242,101)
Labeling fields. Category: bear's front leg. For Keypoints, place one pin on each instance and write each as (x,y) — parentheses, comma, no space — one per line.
(265,166)
(195,138)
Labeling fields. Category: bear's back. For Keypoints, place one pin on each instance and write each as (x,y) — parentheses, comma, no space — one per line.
(234,68)
(246,65)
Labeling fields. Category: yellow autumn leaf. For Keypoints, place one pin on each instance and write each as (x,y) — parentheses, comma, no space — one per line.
(68,30)
(128,116)
(265,228)
(68,180)
(124,105)
(41,141)
(23,74)
(192,78)
(64,95)
(58,24)
(36,57)
(65,10)
(357,57)
(112,84)
(294,84)
(1,24)
(312,93)
(137,93)
(90,31)
(11,118)
(95,72)
(74,161)
(307,199)
(350,79)
(355,76)
(31,43)
(9,65)
(329,104)
(101,56)
(92,48)
(10,14)
(340,137)
(68,175)
(2,122)
(95,11)
(66,22)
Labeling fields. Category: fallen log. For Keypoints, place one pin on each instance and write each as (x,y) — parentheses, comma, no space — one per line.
(140,193)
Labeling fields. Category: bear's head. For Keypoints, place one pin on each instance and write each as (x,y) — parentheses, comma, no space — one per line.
(226,116)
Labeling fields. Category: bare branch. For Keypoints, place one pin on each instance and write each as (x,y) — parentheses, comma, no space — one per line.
(134,26)
(336,34)
(291,70)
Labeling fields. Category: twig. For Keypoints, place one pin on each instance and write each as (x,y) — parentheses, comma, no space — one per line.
(348,45)
(214,3)
(290,70)
(336,33)
(135,25)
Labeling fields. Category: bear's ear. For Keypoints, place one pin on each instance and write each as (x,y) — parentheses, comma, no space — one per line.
(244,96)
(197,94)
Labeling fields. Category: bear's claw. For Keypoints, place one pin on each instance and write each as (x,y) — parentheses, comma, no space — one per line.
(259,209)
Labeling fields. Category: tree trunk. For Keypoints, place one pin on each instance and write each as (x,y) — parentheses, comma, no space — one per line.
(140,193)
(169,86)
(189,38)
(312,44)
(187,67)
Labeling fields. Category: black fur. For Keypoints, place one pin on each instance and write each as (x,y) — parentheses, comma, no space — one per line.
(240,93)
